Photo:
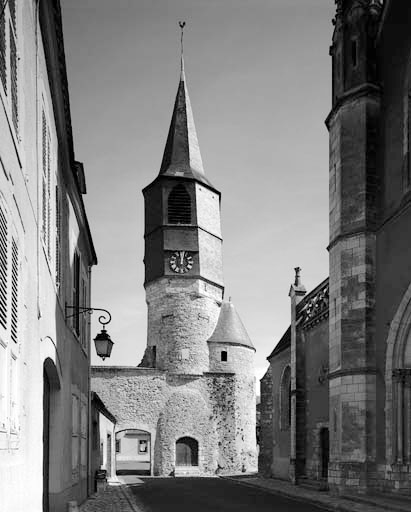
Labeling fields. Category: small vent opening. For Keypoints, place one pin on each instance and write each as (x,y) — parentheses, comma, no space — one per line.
(179,206)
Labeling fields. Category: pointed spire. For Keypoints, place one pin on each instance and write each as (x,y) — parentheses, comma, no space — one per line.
(230,328)
(182,155)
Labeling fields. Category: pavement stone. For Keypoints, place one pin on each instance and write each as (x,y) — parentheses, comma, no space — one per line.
(323,499)
(115,497)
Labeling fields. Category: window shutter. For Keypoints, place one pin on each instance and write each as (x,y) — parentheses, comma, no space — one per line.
(44,179)
(13,78)
(3,71)
(48,212)
(12,6)
(58,237)
(14,291)
(3,269)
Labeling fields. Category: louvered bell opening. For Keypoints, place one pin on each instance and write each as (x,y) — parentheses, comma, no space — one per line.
(179,206)
(3,269)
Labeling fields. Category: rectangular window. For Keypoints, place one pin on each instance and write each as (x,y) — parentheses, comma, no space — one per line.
(84,318)
(3,268)
(118,445)
(76,293)
(142,446)
(83,435)
(75,437)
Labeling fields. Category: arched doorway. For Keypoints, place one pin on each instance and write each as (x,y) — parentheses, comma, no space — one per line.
(51,384)
(46,441)
(133,452)
(186,452)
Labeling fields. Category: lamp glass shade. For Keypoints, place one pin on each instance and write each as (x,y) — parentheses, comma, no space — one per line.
(103,344)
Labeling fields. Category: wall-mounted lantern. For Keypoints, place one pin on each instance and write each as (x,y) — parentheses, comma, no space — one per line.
(102,341)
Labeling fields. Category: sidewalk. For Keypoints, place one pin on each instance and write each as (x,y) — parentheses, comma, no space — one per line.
(116,497)
(322,499)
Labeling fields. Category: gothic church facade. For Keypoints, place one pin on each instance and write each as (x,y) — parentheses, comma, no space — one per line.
(359,361)
(192,397)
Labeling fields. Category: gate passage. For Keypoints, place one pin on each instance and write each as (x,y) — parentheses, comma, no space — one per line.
(186,452)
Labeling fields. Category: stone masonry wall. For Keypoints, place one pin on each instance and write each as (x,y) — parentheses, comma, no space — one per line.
(210,409)
(182,315)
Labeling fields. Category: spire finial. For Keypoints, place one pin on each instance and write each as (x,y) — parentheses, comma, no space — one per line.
(182,24)
(297,280)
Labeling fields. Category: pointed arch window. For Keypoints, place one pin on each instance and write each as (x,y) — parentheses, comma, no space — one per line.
(285,399)
(179,206)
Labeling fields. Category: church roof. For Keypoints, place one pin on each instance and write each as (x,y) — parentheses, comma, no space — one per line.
(230,328)
(182,156)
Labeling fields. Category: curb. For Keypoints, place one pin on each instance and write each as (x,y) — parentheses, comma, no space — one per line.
(351,506)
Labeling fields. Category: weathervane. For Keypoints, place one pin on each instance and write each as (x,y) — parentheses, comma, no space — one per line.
(182,25)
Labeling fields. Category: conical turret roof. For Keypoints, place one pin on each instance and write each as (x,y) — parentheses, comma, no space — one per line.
(230,328)
(182,156)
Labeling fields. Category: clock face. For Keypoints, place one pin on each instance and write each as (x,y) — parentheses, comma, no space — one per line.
(181,262)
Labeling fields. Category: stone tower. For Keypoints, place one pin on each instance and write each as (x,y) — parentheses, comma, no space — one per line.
(193,395)
(183,251)
(352,126)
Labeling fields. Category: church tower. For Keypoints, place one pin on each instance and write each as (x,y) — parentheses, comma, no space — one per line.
(353,130)
(183,251)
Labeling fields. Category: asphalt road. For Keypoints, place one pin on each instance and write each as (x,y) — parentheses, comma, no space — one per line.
(209,495)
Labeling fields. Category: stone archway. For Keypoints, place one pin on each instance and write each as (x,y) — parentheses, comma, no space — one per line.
(398,384)
(133,452)
(186,452)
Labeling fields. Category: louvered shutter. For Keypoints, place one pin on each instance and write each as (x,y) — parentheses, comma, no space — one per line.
(3,268)
(14,291)
(13,79)
(48,212)
(58,237)
(3,70)
(44,177)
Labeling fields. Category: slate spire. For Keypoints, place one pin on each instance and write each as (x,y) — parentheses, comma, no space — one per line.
(230,328)
(182,156)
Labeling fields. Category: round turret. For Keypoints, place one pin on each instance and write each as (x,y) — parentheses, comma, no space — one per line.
(230,347)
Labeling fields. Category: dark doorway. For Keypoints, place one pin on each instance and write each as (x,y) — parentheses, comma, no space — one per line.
(186,452)
(325,451)
(46,441)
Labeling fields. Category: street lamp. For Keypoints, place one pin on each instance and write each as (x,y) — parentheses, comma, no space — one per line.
(102,341)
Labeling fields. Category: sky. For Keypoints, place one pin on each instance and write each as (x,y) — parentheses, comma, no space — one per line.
(259,78)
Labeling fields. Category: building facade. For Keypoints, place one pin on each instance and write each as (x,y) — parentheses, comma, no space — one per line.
(193,392)
(46,253)
(367,343)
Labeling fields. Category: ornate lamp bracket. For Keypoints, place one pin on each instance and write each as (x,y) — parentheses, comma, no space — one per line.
(103,319)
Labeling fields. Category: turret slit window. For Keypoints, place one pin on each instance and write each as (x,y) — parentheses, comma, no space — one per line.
(224,355)
(179,206)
